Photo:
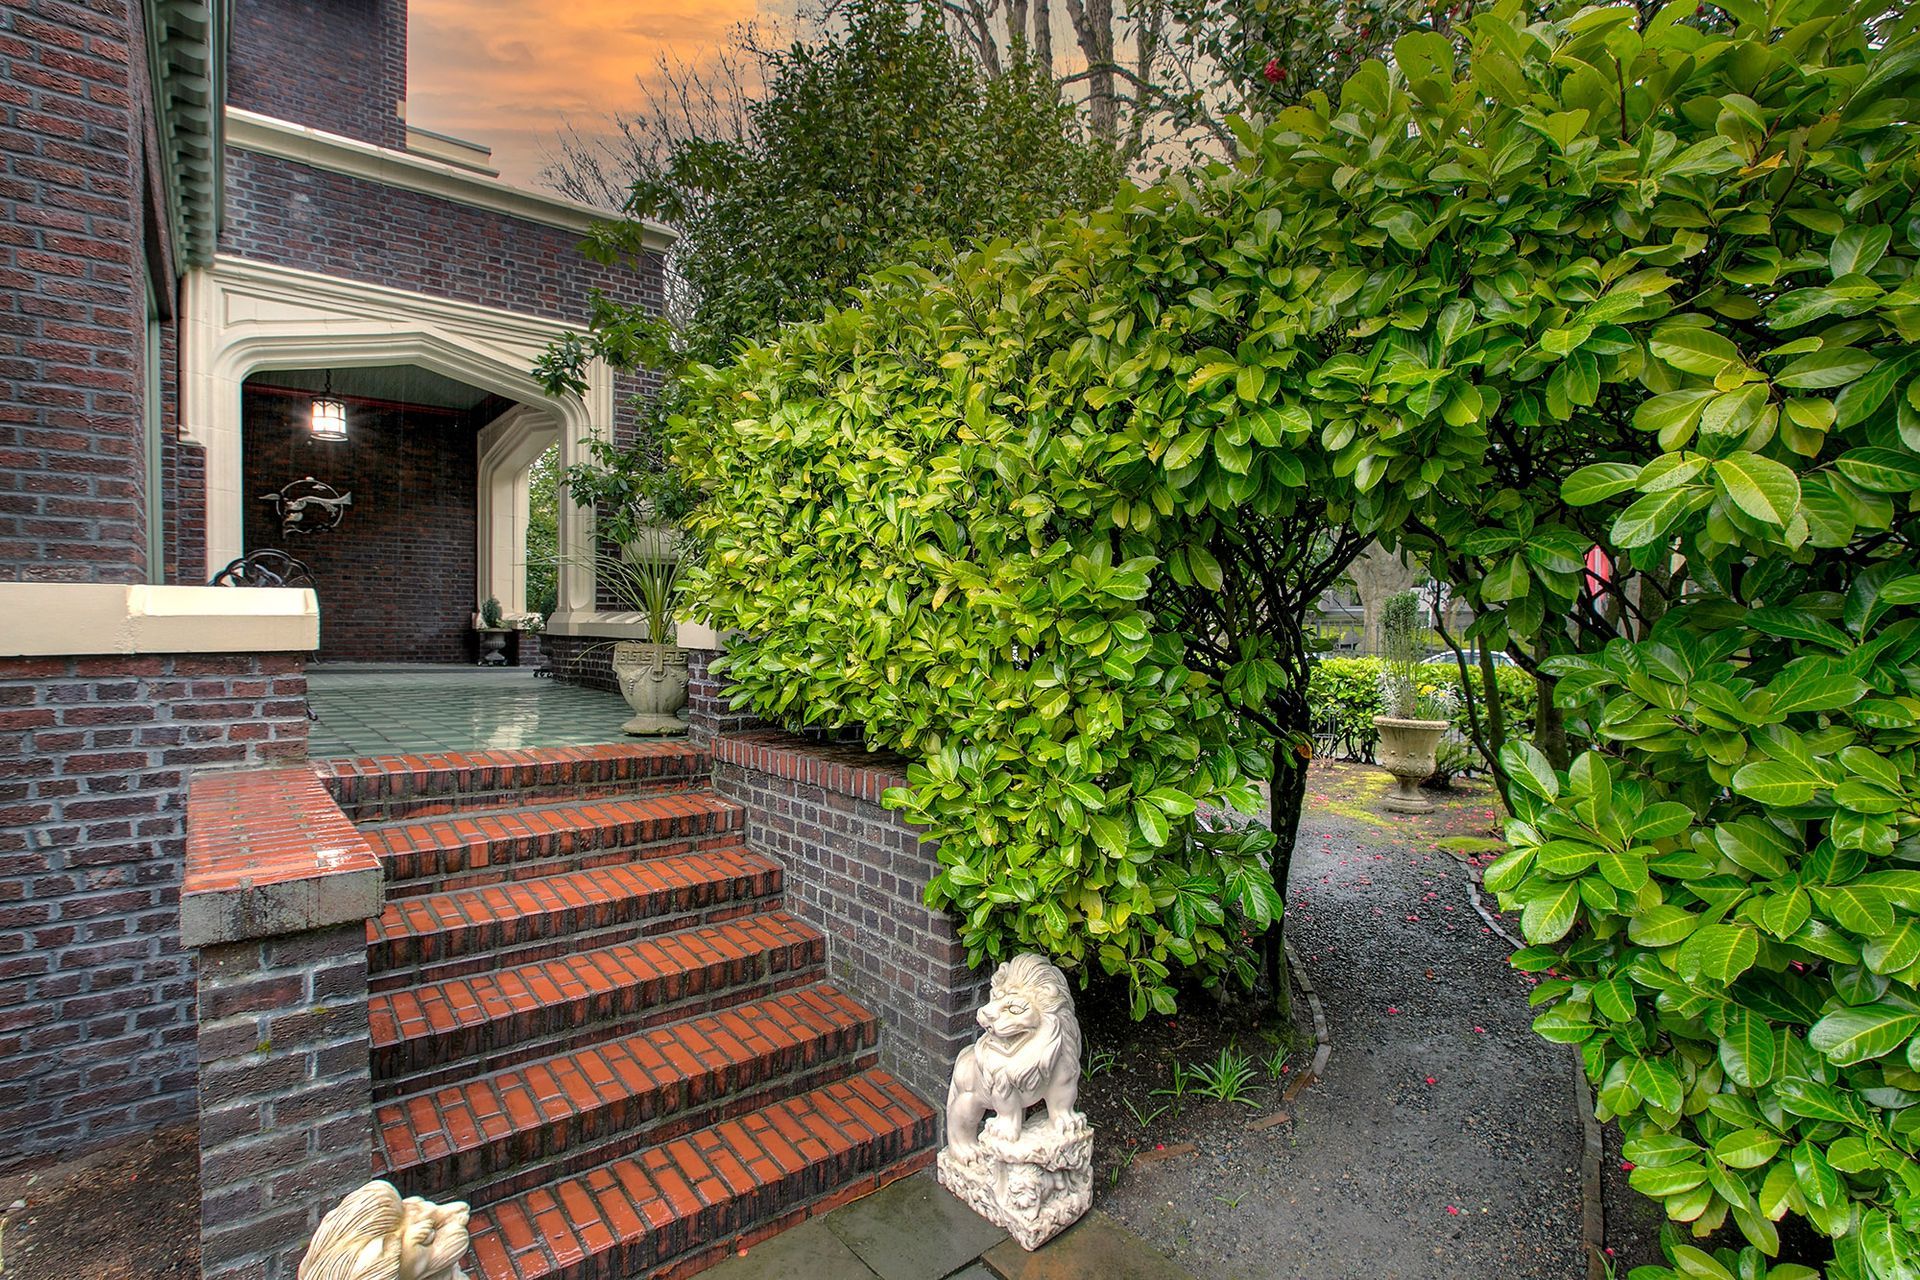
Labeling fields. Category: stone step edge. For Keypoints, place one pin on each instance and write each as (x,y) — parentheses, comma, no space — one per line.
(518,1145)
(693,1196)
(473,850)
(631,892)
(629,999)
(448,848)
(389,787)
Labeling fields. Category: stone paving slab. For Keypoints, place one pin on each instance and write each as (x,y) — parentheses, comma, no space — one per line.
(810,1251)
(913,1229)
(1094,1248)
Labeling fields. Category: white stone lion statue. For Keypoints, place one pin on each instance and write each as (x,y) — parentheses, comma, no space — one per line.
(373,1234)
(1029,1052)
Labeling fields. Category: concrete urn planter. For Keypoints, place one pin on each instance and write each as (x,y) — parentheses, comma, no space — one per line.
(653,680)
(1407,750)
(493,646)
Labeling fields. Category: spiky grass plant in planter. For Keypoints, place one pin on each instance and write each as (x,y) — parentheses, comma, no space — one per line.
(644,576)
(1409,733)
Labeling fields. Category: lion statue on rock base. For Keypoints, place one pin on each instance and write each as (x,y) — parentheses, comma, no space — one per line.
(1032,1180)
(1030,1053)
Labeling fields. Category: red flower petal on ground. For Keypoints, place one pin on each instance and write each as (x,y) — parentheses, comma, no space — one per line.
(1480,1031)
(1453,1210)
(1431,1080)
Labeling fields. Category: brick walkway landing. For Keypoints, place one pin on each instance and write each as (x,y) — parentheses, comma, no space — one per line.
(593,1021)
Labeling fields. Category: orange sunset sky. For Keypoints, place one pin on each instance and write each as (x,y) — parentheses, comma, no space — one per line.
(509,73)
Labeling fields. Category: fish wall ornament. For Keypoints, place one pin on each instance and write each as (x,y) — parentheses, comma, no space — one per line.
(308,506)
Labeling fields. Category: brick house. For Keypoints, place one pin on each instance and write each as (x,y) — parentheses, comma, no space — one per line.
(180,282)
(212,215)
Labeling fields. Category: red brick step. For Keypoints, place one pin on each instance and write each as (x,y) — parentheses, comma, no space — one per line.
(692,1198)
(512,1130)
(444,935)
(431,1035)
(382,788)
(432,855)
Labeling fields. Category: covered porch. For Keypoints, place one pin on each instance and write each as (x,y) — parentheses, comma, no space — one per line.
(442,421)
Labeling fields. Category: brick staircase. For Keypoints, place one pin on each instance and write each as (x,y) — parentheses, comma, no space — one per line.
(592,1020)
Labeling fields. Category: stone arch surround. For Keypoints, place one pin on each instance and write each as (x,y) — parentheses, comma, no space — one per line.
(242,316)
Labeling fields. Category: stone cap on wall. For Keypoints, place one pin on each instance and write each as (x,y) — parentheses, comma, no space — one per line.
(269,852)
(846,768)
(65,619)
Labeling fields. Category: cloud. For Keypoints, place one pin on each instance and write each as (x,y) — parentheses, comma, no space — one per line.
(509,73)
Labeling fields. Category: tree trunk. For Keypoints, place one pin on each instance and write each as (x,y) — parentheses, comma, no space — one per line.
(1093,28)
(1549,726)
(1043,40)
(1286,797)
(1496,712)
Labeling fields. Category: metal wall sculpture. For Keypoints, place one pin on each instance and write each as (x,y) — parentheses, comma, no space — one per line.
(308,506)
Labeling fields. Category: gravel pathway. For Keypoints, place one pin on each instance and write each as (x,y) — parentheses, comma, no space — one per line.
(1444,1140)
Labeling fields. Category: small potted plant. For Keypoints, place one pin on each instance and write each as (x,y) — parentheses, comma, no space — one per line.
(1409,735)
(493,634)
(525,629)
(644,576)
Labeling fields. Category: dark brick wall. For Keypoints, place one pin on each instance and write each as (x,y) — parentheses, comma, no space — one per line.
(286,1111)
(581,660)
(74,135)
(396,579)
(293,214)
(858,873)
(337,65)
(708,715)
(96,995)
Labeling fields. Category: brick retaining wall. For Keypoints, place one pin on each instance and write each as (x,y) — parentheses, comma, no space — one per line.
(858,873)
(96,993)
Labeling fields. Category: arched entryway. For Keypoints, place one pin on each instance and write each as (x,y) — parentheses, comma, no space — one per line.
(249,319)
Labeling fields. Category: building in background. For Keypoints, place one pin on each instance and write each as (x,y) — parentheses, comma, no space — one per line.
(232,278)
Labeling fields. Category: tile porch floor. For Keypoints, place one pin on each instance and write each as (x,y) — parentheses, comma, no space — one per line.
(367,710)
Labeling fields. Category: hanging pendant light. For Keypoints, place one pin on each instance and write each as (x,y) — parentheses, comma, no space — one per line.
(329,414)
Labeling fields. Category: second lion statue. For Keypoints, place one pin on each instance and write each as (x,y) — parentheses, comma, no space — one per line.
(1029,1052)
(1034,1180)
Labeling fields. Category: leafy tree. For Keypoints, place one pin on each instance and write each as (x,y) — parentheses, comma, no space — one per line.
(543,533)
(866,142)
(1653,287)
(1266,54)
(1619,280)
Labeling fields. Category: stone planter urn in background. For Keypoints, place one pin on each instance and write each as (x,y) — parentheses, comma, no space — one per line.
(493,646)
(1408,750)
(653,680)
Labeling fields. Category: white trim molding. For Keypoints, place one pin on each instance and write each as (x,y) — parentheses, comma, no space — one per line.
(242,316)
(251,131)
(61,619)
